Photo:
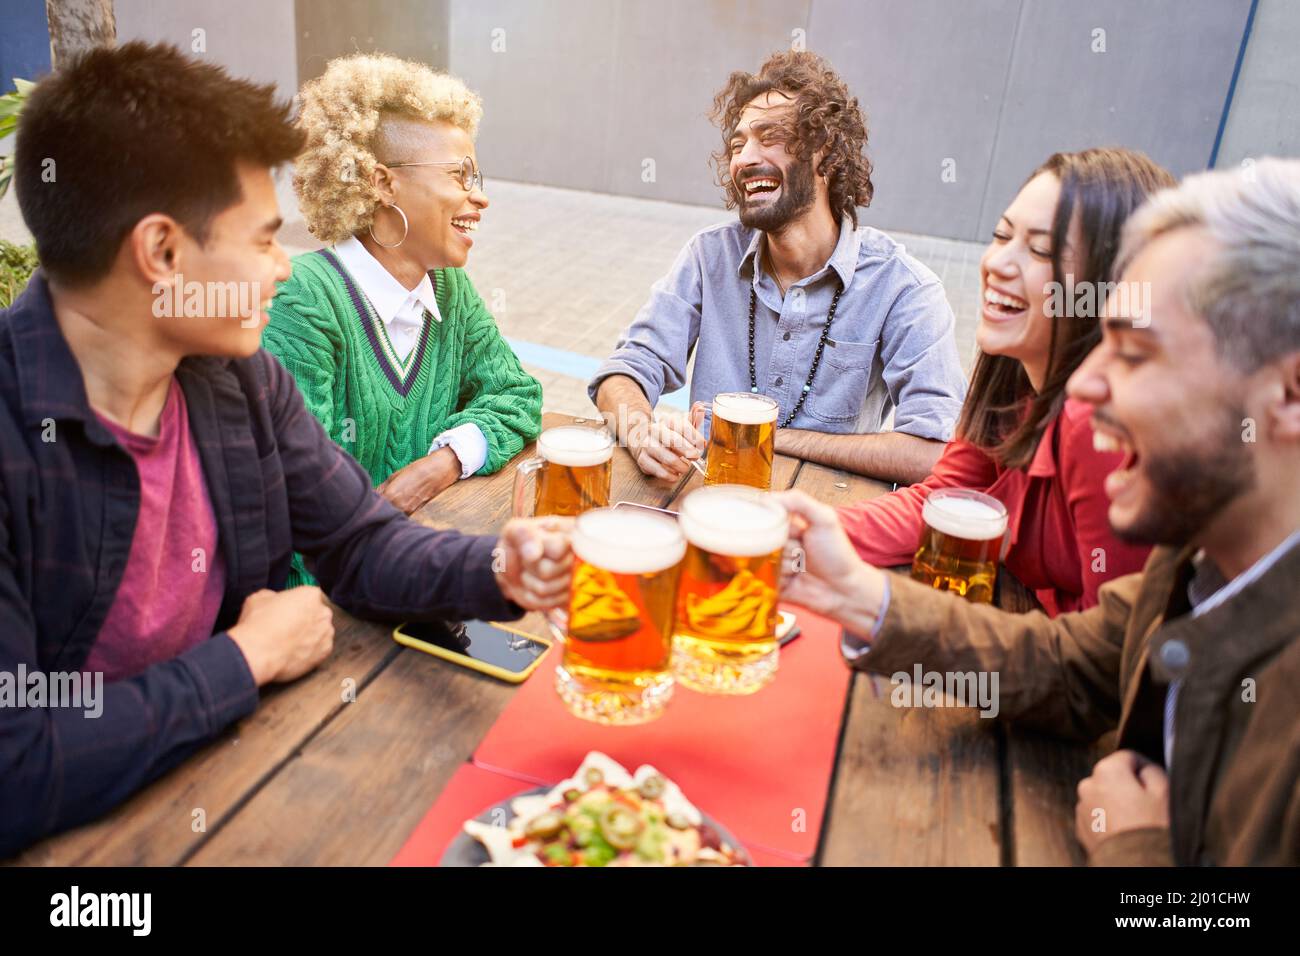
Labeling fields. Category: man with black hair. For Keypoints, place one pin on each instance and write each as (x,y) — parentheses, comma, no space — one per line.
(157,468)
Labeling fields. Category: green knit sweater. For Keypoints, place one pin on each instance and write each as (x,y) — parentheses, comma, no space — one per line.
(384,412)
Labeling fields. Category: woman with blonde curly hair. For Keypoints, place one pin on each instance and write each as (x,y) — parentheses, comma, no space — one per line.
(394,351)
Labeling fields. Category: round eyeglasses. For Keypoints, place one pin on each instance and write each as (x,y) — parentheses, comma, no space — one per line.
(470,176)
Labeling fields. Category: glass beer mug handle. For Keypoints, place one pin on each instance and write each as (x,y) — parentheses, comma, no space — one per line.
(521,503)
(557,619)
(699,411)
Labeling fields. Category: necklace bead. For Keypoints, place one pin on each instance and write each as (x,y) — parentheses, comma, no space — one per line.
(817,358)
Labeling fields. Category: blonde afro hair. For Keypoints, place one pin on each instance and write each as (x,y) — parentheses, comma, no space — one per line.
(341,114)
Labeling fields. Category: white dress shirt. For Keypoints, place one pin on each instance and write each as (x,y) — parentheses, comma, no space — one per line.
(402,311)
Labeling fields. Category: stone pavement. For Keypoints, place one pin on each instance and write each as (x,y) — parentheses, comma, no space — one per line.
(564,272)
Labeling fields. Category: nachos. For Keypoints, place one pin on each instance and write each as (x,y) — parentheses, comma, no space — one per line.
(604,816)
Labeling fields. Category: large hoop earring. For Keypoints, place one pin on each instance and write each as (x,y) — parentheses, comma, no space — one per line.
(406,228)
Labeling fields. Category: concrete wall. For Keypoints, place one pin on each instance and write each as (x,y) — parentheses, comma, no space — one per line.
(582,93)
(1265,115)
(1159,87)
(963,97)
(414,29)
(251,38)
(609,96)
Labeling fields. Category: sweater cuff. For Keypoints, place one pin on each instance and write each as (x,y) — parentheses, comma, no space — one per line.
(220,670)
(468,443)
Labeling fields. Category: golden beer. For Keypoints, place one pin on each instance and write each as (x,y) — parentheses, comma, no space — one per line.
(742,440)
(725,637)
(961,543)
(618,635)
(573,468)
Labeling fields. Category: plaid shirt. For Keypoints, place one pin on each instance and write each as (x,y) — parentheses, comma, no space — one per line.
(69,496)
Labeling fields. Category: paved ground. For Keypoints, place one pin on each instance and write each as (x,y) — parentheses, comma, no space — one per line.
(564,272)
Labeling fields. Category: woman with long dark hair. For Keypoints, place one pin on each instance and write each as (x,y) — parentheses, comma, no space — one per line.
(1043,279)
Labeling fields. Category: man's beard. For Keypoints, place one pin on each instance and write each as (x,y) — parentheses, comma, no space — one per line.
(797,196)
(1191,485)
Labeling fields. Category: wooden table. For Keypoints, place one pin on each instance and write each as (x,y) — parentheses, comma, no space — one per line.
(338,767)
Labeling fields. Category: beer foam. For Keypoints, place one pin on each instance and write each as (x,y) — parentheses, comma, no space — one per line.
(575,446)
(963,517)
(628,541)
(742,409)
(734,520)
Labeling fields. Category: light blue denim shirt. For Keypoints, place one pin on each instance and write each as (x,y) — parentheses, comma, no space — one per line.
(891,346)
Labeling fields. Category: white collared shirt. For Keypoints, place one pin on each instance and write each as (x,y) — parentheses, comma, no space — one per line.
(402,312)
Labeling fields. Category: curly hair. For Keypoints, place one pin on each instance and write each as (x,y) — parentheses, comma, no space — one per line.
(341,114)
(824,116)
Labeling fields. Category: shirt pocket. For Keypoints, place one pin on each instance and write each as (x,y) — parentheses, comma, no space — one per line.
(840,388)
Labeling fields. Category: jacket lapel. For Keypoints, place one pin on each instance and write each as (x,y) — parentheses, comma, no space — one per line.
(1224,647)
(220,423)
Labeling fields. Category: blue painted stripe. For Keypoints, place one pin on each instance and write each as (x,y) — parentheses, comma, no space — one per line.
(578,366)
(1232,84)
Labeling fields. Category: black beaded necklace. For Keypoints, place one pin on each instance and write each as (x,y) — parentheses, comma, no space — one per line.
(817,359)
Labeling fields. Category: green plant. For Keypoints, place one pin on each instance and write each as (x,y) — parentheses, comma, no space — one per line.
(17,263)
(11,104)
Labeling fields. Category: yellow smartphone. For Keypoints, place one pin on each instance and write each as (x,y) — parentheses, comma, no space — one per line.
(498,650)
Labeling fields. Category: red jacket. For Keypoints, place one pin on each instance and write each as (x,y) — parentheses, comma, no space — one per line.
(1061,544)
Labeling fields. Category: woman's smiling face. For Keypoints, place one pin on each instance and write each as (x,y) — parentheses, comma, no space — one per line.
(442,216)
(1016,277)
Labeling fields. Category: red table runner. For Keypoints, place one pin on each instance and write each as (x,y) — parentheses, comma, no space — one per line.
(471,791)
(760,765)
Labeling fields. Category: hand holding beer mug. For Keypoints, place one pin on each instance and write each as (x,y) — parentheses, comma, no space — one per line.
(619,628)
(665,445)
(961,543)
(572,469)
(725,639)
(533,562)
(742,439)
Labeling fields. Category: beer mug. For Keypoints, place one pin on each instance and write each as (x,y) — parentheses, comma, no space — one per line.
(742,439)
(572,472)
(618,629)
(725,638)
(960,543)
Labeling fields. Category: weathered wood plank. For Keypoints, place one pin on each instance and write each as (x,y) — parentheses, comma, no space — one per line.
(157,826)
(358,788)
(1042,773)
(836,487)
(914,786)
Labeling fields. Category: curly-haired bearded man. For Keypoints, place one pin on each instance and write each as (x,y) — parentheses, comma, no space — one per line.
(796,301)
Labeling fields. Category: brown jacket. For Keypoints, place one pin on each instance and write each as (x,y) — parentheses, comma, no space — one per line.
(1235,785)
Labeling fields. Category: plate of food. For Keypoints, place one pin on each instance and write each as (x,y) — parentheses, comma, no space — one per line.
(601,816)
